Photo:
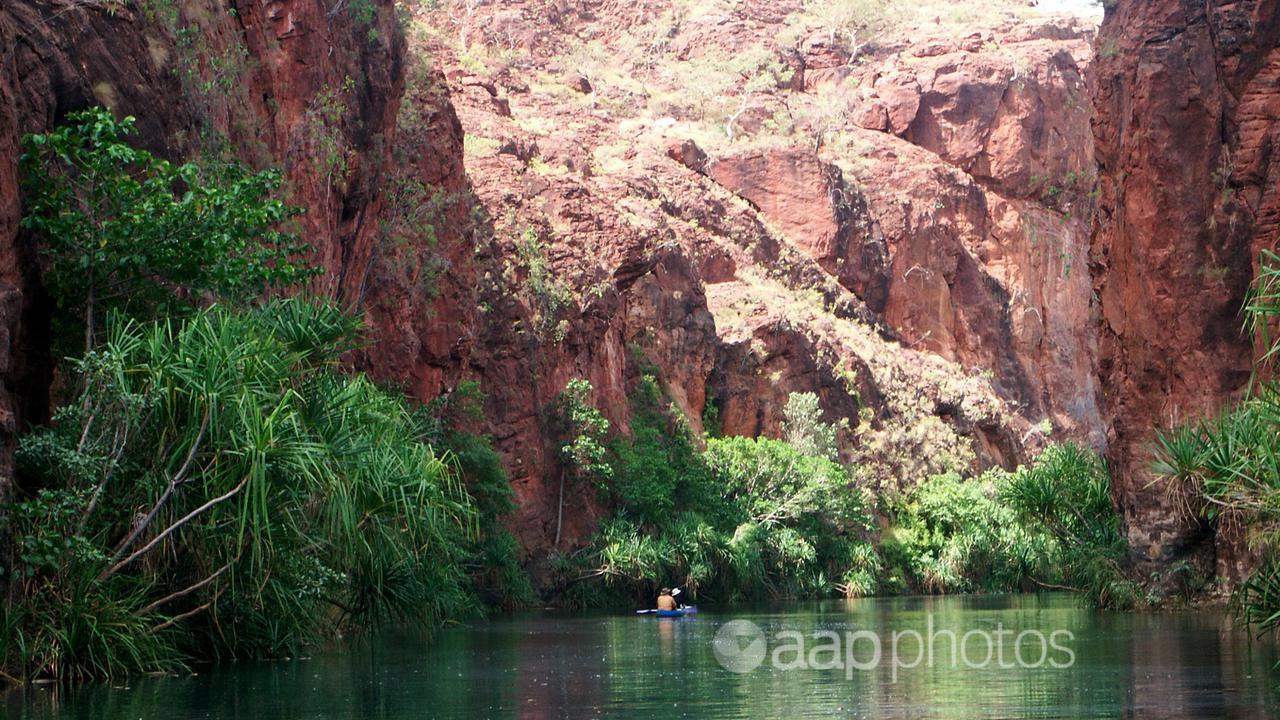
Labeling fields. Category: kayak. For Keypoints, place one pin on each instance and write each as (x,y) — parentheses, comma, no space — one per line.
(690,610)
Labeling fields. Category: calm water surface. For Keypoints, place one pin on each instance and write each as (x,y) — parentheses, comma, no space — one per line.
(1169,665)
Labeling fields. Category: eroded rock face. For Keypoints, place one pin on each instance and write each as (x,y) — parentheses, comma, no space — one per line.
(984,208)
(808,200)
(911,248)
(957,205)
(925,278)
(1186,102)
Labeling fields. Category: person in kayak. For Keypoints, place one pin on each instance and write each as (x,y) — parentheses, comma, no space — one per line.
(665,600)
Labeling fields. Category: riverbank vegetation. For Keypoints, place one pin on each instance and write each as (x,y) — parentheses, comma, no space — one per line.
(214,485)
(217,490)
(757,518)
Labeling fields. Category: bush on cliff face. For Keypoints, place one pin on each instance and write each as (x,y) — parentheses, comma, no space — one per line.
(216,489)
(124,231)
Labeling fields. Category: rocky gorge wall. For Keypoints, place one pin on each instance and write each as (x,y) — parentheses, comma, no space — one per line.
(1187,111)
(908,231)
(903,273)
(904,234)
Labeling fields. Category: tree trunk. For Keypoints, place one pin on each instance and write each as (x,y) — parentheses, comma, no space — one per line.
(88,322)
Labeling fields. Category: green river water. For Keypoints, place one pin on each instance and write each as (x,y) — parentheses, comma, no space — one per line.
(554,665)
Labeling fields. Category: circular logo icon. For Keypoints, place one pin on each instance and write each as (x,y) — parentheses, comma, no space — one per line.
(739,646)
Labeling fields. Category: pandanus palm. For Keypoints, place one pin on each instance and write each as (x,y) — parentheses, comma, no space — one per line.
(229,491)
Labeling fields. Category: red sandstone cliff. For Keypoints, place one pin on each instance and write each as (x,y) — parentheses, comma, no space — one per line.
(1187,114)
(904,235)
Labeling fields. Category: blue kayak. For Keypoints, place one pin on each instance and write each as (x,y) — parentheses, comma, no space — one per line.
(689,610)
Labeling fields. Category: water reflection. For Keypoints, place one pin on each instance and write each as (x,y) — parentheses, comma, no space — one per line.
(1170,665)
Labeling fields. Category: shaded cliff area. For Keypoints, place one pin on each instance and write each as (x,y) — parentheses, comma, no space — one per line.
(1186,108)
(312,89)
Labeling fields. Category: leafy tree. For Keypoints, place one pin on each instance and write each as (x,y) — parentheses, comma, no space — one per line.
(770,481)
(1066,493)
(495,553)
(749,517)
(123,230)
(856,20)
(585,431)
(804,430)
(658,468)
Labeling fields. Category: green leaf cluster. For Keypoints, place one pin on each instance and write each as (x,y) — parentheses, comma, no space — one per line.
(1047,525)
(121,230)
(744,518)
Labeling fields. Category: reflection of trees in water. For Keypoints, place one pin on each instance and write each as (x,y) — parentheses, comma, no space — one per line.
(1185,665)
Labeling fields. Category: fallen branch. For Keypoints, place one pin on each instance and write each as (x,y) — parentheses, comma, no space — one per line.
(1051,586)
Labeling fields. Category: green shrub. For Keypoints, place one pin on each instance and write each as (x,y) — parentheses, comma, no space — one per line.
(215,489)
(1227,467)
(747,518)
(956,536)
(550,296)
(124,231)
(803,427)
(1066,493)
(657,469)
(1047,525)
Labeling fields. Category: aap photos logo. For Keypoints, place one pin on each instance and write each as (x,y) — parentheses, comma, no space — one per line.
(740,646)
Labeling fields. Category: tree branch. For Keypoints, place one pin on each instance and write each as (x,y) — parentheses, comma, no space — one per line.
(179,618)
(185,591)
(169,530)
(168,491)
